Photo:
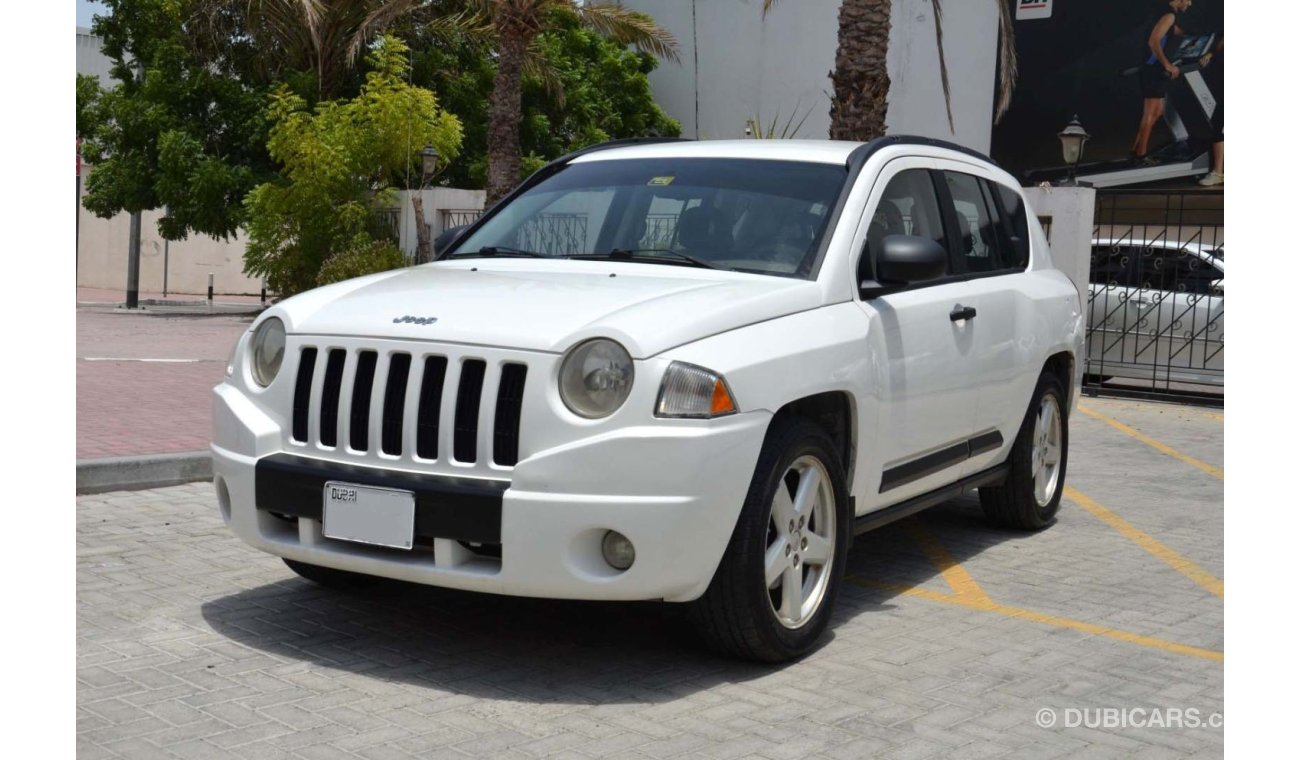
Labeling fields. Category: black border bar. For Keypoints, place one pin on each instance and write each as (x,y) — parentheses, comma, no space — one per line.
(467,509)
(937,461)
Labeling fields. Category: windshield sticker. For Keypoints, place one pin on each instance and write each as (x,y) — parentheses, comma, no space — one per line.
(661,181)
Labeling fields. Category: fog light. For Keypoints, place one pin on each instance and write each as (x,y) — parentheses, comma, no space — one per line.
(618,550)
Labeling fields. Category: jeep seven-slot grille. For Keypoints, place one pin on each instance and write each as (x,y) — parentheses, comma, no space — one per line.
(389,400)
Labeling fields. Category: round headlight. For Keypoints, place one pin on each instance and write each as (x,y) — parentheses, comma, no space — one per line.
(596,378)
(267,351)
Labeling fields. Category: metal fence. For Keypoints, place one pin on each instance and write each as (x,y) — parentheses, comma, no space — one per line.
(387,222)
(659,230)
(459,217)
(1155,296)
(555,234)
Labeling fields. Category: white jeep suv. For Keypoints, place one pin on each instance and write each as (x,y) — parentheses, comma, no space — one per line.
(667,370)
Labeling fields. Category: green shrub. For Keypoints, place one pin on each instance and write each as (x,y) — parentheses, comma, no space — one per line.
(375,256)
(340,162)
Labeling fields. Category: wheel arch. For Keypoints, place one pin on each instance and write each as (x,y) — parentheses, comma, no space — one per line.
(1061,364)
(834,412)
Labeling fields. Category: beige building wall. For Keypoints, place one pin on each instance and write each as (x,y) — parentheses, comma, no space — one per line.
(102,248)
(734,65)
(443,207)
(102,253)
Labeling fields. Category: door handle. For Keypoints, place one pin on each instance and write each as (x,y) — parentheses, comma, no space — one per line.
(960,312)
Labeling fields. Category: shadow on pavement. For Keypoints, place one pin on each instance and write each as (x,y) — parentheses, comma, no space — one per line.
(548,651)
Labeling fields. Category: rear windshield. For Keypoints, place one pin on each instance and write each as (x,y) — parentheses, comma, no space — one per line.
(748,215)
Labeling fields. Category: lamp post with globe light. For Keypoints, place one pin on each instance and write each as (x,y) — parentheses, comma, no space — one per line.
(1072,140)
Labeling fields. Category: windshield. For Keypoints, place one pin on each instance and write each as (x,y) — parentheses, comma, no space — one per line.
(746,215)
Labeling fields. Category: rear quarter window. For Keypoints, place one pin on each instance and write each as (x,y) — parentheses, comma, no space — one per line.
(1014,227)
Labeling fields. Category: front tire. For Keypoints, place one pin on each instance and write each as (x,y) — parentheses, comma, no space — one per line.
(1031,495)
(772,594)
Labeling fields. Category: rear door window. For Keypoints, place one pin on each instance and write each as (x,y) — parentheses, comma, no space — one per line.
(977,244)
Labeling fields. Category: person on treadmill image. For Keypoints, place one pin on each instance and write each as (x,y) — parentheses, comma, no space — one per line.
(1155,75)
(1215,176)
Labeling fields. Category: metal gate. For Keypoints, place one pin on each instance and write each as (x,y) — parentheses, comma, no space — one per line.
(1156,295)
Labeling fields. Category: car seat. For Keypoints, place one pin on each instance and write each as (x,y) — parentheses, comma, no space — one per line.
(703,232)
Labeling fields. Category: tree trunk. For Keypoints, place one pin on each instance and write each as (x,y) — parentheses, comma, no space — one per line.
(860,78)
(505,108)
(422,253)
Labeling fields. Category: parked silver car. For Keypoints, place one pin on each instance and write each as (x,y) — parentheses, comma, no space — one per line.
(1156,311)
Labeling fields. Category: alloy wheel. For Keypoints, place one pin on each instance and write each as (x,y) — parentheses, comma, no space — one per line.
(800,542)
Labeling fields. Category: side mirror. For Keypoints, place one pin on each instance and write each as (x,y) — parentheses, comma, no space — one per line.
(903,260)
(446,238)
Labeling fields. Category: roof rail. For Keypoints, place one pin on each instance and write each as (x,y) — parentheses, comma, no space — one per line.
(618,143)
(891,140)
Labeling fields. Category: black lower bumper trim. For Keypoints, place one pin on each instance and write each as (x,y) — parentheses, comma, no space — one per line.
(466,509)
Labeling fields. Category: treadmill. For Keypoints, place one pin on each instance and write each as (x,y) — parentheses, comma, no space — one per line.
(1182,157)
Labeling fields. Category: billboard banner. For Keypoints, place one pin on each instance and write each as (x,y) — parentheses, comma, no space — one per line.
(1028,10)
(1144,111)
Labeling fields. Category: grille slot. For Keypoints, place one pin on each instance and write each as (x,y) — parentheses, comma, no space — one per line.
(362,384)
(302,393)
(399,368)
(400,403)
(510,403)
(329,398)
(470,393)
(426,426)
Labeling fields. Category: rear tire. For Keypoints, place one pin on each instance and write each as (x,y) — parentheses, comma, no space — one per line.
(340,580)
(800,484)
(1031,495)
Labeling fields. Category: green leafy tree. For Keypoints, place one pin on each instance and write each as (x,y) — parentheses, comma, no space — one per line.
(312,45)
(516,26)
(175,131)
(185,126)
(586,89)
(339,163)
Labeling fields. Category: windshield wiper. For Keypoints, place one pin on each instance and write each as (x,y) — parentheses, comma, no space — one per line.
(505,251)
(649,254)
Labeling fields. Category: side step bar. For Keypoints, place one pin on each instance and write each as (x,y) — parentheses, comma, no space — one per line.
(994,476)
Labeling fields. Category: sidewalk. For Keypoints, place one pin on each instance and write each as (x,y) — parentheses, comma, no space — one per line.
(144,379)
(193,304)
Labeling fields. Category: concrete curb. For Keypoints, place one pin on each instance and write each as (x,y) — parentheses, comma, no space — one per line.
(140,472)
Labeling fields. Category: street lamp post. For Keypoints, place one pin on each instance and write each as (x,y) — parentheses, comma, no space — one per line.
(429,164)
(428,167)
(1072,140)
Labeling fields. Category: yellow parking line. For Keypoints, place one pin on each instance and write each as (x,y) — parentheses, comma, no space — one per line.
(960,581)
(1199,575)
(1153,443)
(988,605)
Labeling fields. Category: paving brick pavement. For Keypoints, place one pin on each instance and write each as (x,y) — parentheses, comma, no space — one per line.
(192,645)
(126,406)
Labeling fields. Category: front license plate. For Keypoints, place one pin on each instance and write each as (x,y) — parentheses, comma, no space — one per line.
(369,515)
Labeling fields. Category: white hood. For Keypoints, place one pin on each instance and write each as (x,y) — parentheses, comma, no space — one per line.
(548,305)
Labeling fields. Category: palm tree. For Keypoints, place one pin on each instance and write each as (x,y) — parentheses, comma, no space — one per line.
(273,38)
(268,40)
(861,80)
(516,25)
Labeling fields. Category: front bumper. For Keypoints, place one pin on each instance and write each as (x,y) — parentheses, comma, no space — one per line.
(675,489)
